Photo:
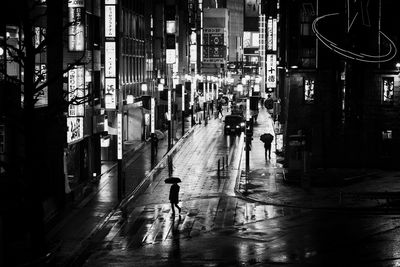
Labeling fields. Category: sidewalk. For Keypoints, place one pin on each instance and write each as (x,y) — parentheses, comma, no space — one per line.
(333,189)
(75,227)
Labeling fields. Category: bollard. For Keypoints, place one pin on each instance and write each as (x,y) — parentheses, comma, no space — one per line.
(218,174)
(223,163)
(227,161)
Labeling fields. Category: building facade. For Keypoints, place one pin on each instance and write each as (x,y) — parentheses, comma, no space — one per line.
(339,84)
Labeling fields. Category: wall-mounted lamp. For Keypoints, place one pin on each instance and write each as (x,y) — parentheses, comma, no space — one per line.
(144,87)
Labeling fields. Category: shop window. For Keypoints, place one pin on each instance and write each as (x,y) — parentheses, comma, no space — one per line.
(308,91)
(388,89)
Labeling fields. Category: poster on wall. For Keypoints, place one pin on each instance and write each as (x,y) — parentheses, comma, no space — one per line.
(75,129)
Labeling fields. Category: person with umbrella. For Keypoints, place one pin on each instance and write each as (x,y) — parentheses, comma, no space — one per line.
(267,139)
(174,193)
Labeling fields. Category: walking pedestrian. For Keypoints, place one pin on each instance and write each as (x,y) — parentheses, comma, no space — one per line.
(267,140)
(155,142)
(267,146)
(219,108)
(174,197)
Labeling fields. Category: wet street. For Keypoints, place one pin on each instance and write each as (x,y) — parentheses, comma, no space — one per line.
(218,227)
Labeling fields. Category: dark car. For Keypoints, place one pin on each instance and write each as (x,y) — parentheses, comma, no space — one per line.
(234,124)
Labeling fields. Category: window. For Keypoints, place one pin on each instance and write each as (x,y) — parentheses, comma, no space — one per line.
(388,89)
(308,91)
(307,15)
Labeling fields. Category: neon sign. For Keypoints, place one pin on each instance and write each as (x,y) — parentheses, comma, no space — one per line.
(358,10)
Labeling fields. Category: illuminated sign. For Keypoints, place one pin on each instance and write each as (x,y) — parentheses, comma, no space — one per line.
(76,32)
(110,19)
(110,93)
(183,98)
(76,3)
(42,95)
(153,114)
(110,59)
(110,50)
(274,35)
(269,34)
(169,105)
(308,90)
(262,28)
(388,86)
(271,71)
(119,136)
(171,26)
(170,56)
(75,129)
(76,91)
(356,12)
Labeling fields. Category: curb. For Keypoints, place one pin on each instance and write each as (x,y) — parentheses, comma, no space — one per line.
(140,188)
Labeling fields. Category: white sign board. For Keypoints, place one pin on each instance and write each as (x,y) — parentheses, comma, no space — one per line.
(110,21)
(76,91)
(76,33)
(110,59)
(110,93)
(153,114)
(170,56)
(271,71)
(119,136)
(75,129)
(169,105)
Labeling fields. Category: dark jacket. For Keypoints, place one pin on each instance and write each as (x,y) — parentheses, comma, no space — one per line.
(174,193)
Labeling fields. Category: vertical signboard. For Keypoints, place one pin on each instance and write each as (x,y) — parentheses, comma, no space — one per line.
(110,61)
(76,30)
(76,91)
(274,35)
(269,34)
(75,129)
(110,88)
(271,71)
(169,105)
(153,114)
(119,136)
(42,95)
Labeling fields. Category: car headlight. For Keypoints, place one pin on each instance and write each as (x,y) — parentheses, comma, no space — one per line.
(242,124)
(228,126)
(237,126)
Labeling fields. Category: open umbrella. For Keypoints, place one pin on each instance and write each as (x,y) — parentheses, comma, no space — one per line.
(159,134)
(266,137)
(172,180)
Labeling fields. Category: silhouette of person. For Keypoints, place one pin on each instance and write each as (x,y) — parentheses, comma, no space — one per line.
(173,197)
(155,142)
(219,108)
(267,146)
